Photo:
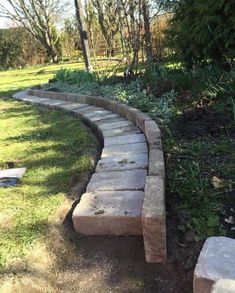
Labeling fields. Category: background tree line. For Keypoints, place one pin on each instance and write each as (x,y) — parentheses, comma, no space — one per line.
(132,31)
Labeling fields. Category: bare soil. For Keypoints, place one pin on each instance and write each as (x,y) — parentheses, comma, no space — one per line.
(201,122)
(68,262)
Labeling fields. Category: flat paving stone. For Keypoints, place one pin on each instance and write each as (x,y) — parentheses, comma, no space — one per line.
(121,131)
(49,102)
(85,109)
(106,121)
(10,177)
(12,173)
(124,149)
(120,163)
(216,262)
(118,180)
(103,117)
(109,213)
(98,113)
(122,123)
(90,109)
(72,106)
(36,100)
(124,139)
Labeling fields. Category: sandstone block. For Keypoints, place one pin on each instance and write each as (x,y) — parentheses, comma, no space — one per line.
(215,263)
(71,106)
(120,131)
(124,139)
(118,180)
(120,163)
(141,119)
(109,213)
(153,134)
(153,220)
(76,98)
(121,123)
(103,118)
(125,149)
(156,162)
(97,113)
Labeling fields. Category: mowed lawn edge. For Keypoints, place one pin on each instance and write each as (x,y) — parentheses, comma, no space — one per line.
(57,150)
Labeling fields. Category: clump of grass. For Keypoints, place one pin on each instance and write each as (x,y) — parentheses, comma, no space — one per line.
(56,149)
(75,77)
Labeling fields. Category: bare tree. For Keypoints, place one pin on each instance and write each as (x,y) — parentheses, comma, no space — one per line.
(147,34)
(107,12)
(83,34)
(39,18)
(133,24)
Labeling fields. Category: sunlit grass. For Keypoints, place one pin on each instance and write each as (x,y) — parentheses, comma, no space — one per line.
(56,149)
(18,79)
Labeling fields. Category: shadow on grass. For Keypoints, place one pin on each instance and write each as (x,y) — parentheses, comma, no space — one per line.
(9,93)
(58,141)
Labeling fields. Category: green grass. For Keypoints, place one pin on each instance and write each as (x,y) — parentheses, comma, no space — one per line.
(56,149)
(14,80)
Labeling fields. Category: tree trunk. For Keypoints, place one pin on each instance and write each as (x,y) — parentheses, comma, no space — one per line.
(83,35)
(147,35)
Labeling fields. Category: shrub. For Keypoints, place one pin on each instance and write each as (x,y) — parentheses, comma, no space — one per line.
(203,30)
(75,77)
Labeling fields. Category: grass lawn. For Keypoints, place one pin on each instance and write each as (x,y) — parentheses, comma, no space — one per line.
(19,79)
(56,149)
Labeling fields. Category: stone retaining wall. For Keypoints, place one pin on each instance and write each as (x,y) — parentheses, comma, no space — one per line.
(153,212)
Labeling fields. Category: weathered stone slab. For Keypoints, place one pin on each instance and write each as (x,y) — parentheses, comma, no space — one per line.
(216,262)
(72,106)
(79,111)
(156,162)
(124,139)
(53,103)
(141,119)
(125,149)
(153,220)
(10,177)
(120,163)
(110,120)
(153,134)
(224,286)
(121,131)
(76,98)
(12,173)
(35,100)
(21,94)
(107,126)
(109,213)
(88,109)
(102,118)
(98,113)
(124,180)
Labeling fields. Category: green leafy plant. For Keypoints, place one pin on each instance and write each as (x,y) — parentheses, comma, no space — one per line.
(75,77)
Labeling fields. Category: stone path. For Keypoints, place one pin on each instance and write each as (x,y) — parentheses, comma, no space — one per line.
(114,196)
(125,195)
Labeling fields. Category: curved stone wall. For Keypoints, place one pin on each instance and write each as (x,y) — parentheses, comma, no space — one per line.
(152,219)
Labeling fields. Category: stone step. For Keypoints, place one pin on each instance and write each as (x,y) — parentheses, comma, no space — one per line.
(117,181)
(125,162)
(121,131)
(124,139)
(124,149)
(109,213)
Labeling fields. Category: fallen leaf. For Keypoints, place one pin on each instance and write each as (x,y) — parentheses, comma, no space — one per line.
(229,220)
(216,182)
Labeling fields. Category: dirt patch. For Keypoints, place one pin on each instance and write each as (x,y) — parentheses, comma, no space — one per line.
(68,262)
(201,122)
